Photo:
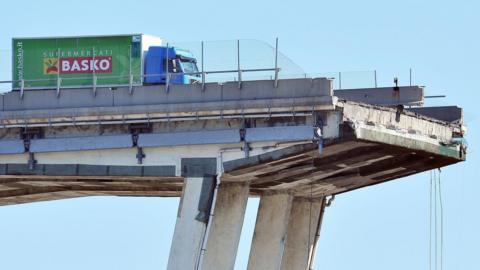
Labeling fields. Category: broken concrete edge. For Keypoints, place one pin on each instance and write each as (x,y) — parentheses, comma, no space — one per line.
(404,111)
(410,141)
(86,170)
(389,119)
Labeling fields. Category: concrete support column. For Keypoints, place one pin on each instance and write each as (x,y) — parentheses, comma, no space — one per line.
(189,231)
(226,227)
(270,232)
(304,224)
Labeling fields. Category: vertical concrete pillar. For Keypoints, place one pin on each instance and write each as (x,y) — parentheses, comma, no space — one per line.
(226,227)
(305,219)
(189,231)
(270,232)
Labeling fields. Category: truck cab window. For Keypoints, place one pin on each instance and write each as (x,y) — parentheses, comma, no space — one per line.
(189,66)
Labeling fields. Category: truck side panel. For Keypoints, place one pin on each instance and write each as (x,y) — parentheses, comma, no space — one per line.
(40,62)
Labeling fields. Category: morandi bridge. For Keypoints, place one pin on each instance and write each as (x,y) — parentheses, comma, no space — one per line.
(292,142)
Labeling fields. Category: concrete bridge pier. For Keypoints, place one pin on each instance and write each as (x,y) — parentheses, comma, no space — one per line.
(302,233)
(270,233)
(226,227)
(195,244)
(189,231)
(285,232)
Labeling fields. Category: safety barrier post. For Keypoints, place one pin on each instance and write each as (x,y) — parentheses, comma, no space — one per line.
(167,77)
(22,88)
(339,80)
(130,84)
(410,76)
(94,85)
(94,75)
(203,71)
(276,63)
(238,64)
(59,84)
(58,73)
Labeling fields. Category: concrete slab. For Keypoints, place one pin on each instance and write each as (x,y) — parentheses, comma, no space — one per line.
(60,169)
(443,113)
(385,96)
(81,143)
(47,99)
(11,147)
(286,89)
(223,136)
(282,133)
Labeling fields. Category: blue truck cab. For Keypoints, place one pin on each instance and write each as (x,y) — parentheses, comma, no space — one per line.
(179,62)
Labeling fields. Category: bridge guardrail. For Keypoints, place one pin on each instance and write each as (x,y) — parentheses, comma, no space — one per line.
(220,61)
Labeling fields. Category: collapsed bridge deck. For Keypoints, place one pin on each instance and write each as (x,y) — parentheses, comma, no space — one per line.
(300,137)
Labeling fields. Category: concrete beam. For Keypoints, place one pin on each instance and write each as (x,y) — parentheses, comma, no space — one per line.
(226,227)
(270,232)
(304,224)
(189,232)
(385,96)
(156,94)
(165,112)
(443,113)
(398,121)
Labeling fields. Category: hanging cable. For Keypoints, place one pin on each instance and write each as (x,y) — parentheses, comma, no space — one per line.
(430,225)
(441,218)
(435,218)
(436,221)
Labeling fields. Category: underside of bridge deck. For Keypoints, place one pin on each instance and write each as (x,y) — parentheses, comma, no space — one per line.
(340,166)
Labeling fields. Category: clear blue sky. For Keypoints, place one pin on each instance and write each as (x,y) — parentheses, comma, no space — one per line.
(380,227)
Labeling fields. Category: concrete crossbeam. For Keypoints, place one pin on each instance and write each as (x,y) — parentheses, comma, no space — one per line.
(385,96)
(226,227)
(189,232)
(444,113)
(303,228)
(270,232)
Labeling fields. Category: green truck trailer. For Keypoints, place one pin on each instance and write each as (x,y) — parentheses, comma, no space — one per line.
(71,62)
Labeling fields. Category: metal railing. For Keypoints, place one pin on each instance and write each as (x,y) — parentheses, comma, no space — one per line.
(168,77)
(253,60)
(60,82)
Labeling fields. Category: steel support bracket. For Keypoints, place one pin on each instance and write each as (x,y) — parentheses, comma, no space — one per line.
(140,155)
(136,130)
(31,161)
